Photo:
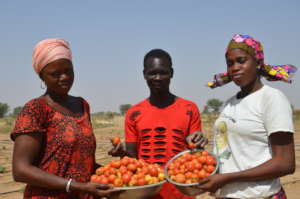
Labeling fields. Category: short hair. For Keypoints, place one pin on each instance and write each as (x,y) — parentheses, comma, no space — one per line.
(158,53)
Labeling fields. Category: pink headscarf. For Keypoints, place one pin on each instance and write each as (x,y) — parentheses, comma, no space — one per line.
(254,47)
(49,50)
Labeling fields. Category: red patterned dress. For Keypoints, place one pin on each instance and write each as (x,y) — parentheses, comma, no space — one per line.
(69,145)
(160,134)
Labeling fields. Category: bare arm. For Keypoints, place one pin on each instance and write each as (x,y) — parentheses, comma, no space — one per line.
(282,163)
(26,150)
(131,149)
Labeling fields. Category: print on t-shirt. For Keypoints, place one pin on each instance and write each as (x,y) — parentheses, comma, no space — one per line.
(222,146)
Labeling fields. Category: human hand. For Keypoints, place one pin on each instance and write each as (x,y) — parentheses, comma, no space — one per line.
(197,139)
(213,183)
(118,150)
(100,190)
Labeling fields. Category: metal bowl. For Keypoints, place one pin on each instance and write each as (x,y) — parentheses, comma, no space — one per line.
(188,189)
(138,192)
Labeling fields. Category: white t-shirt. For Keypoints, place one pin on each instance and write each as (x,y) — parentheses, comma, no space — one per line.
(241,138)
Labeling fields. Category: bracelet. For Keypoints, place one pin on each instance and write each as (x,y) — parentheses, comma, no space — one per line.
(68,185)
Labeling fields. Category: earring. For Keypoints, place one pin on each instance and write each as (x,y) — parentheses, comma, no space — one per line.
(43,86)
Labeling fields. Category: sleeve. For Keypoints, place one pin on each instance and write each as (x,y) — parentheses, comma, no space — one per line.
(87,108)
(195,123)
(31,119)
(131,133)
(277,113)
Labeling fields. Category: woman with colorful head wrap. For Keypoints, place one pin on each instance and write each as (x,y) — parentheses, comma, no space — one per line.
(54,150)
(254,132)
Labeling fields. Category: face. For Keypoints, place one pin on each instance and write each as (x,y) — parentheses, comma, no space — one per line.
(58,76)
(241,67)
(158,73)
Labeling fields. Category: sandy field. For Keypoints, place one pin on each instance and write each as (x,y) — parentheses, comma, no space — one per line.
(12,190)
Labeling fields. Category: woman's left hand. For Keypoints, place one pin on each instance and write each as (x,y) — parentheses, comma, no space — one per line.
(197,139)
(213,183)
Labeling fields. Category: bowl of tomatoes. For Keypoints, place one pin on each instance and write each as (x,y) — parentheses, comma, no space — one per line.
(188,167)
(135,179)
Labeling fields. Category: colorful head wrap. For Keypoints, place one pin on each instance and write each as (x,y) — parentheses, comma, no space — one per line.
(49,50)
(255,48)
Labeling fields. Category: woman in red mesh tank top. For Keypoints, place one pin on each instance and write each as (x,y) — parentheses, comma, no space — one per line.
(160,126)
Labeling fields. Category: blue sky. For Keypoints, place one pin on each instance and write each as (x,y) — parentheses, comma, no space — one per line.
(110,38)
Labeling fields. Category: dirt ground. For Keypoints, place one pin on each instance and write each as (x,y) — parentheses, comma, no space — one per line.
(12,190)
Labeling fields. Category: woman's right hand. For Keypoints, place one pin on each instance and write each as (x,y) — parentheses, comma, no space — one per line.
(118,150)
(98,190)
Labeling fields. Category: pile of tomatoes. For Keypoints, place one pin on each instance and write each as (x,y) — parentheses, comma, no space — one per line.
(191,167)
(128,172)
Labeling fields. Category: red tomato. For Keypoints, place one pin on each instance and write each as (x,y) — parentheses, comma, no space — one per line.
(180,178)
(129,173)
(188,175)
(202,174)
(210,168)
(145,169)
(133,182)
(191,145)
(116,140)
(176,171)
(139,164)
(118,182)
(141,175)
(210,160)
(171,166)
(202,159)
(111,178)
(141,181)
(113,170)
(107,173)
(153,171)
(115,164)
(170,172)
(198,165)
(182,167)
(125,161)
(103,180)
(126,178)
(131,167)
(100,170)
(190,166)
(94,178)
(123,169)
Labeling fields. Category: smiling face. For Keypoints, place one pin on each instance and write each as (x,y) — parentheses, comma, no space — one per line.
(58,76)
(158,73)
(241,67)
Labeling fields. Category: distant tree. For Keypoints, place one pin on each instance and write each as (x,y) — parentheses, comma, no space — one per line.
(124,108)
(214,105)
(109,115)
(205,110)
(292,106)
(3,109)
(17,110)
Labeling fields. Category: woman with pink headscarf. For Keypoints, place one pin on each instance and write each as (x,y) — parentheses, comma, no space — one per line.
(54,150)
(253,135)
